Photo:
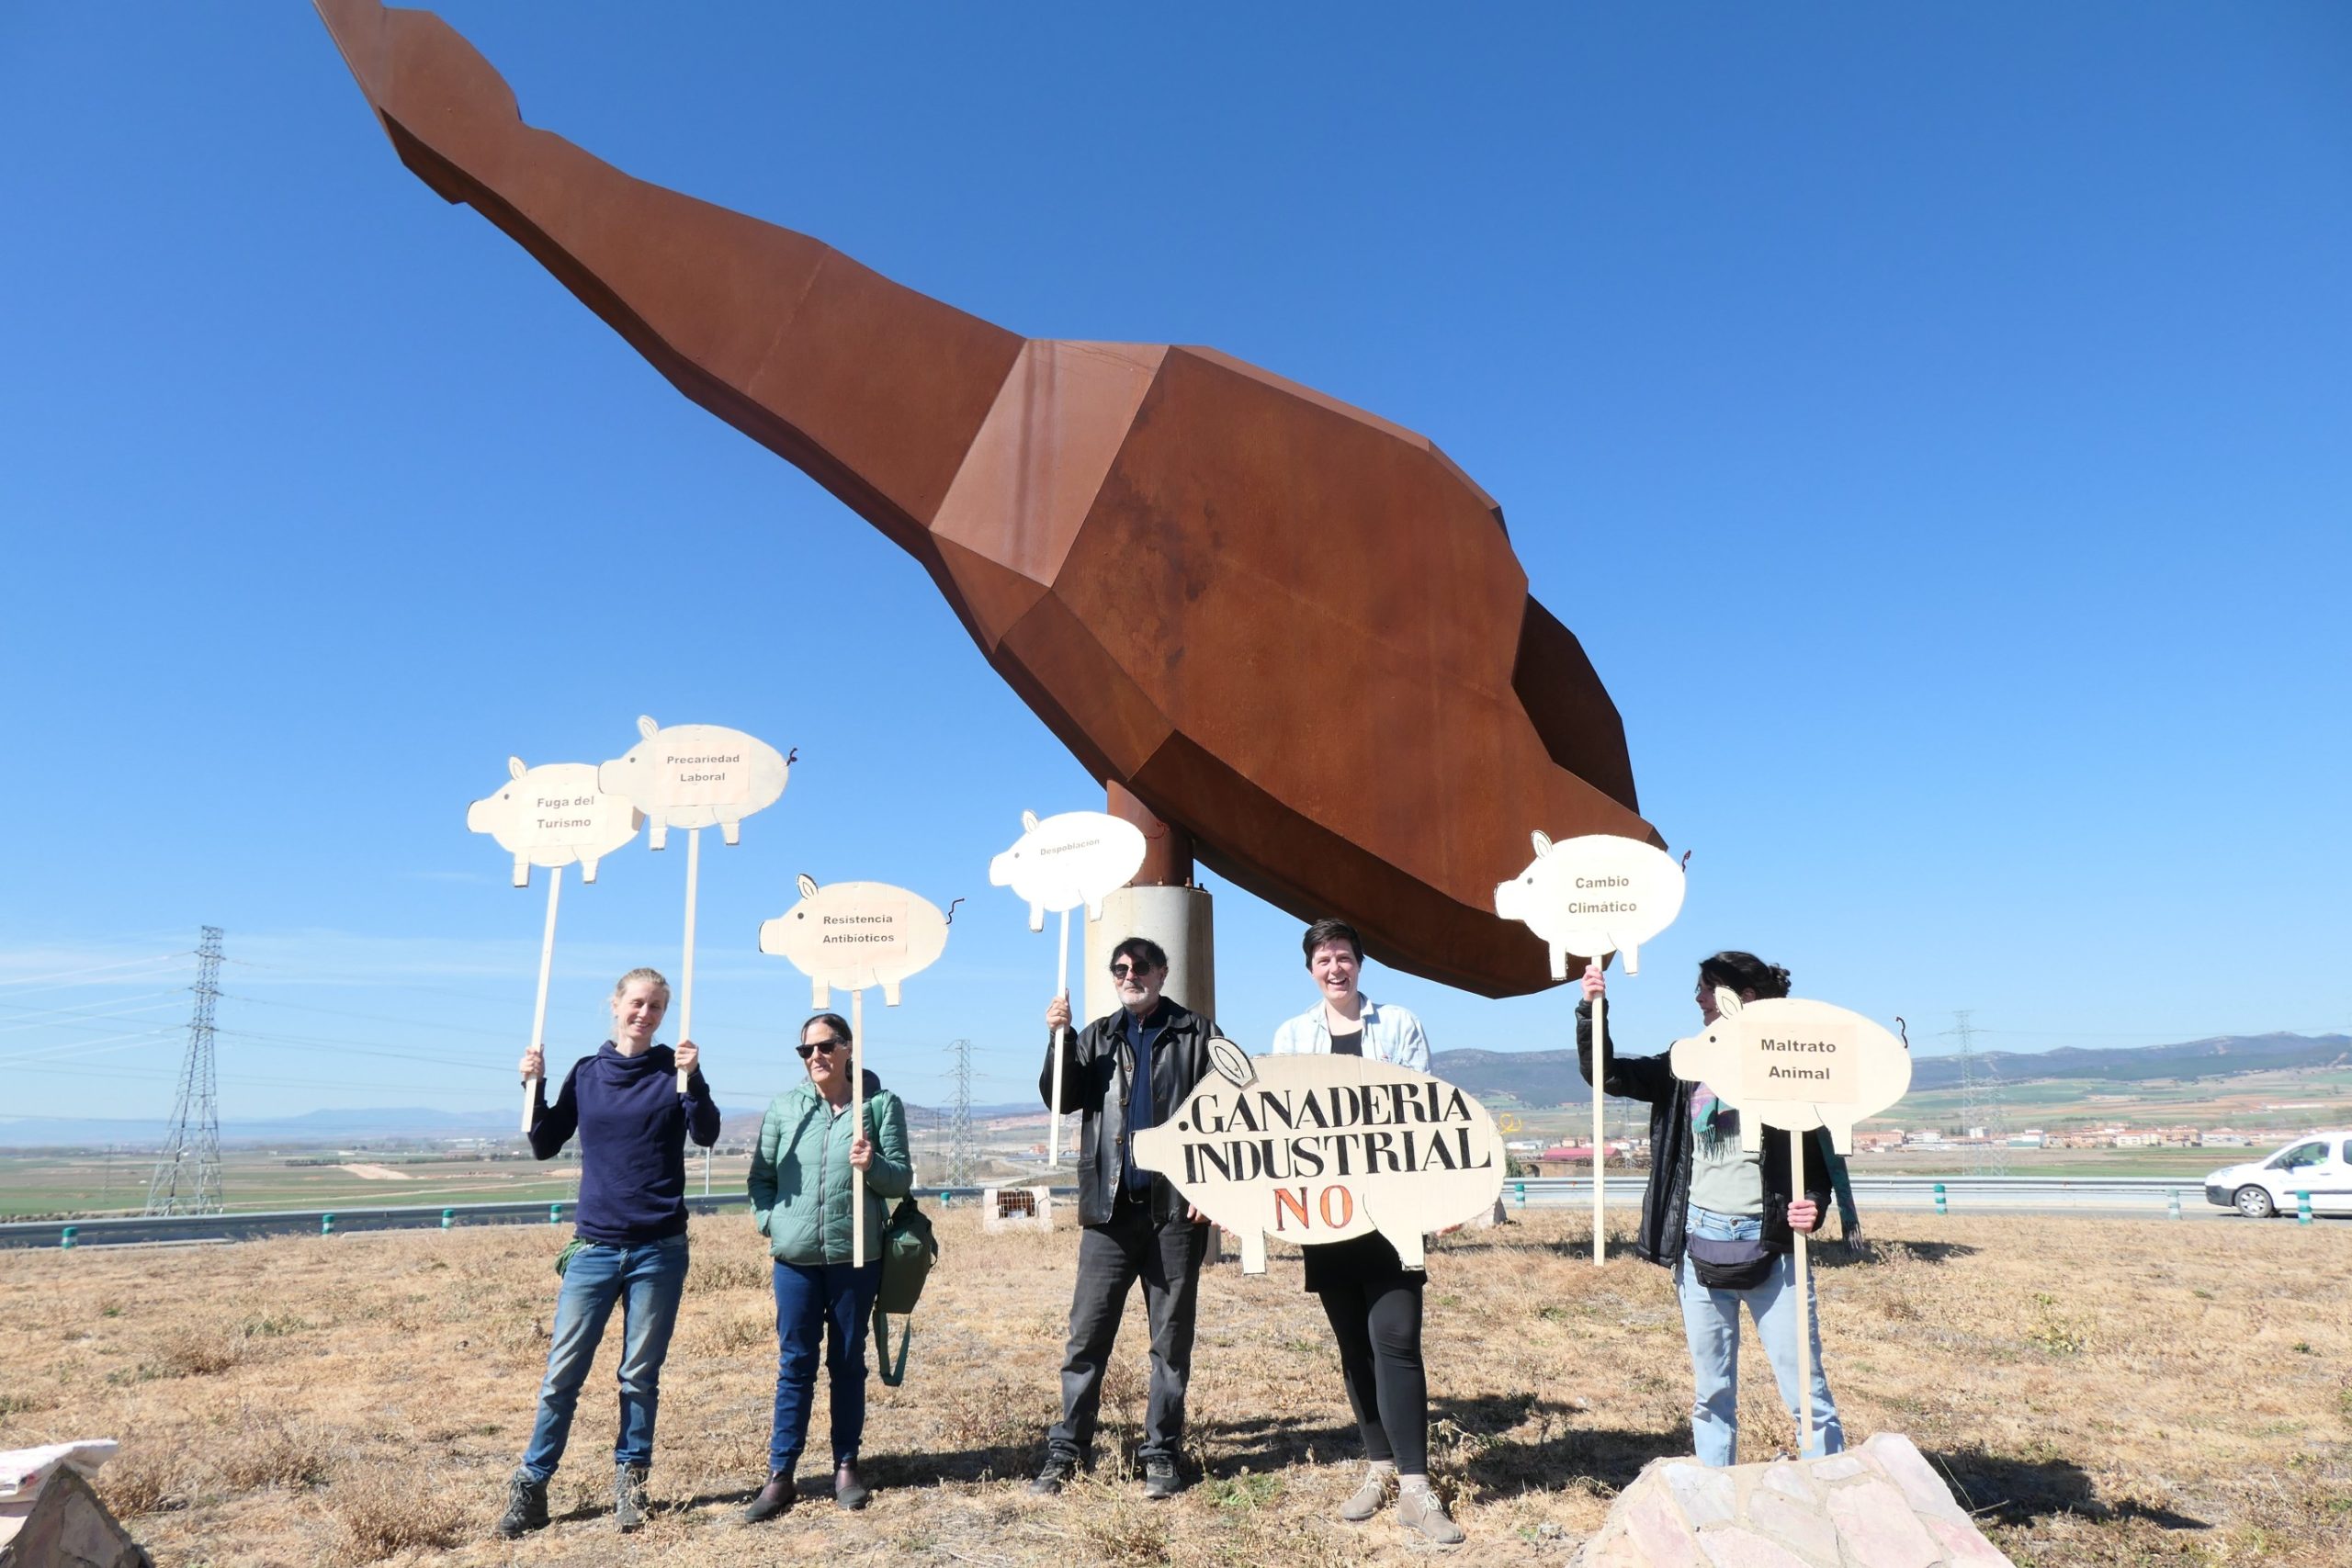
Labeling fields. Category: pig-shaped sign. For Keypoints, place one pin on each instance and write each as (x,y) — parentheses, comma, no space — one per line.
(553,815)
(1796,1064)
(1313,1149)
(1593,896)
(857,935)
(1074,858)
(692,775)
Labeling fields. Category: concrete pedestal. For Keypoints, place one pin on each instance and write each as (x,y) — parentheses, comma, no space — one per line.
(1181,919)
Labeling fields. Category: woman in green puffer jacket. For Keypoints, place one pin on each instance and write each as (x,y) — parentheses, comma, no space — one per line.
(801,1191)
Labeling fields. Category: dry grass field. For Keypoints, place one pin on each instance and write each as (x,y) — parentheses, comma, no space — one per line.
(2099,1397)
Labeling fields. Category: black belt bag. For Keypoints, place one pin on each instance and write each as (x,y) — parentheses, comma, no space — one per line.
(1725,1264)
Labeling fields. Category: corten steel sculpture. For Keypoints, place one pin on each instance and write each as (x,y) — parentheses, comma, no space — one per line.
(1140,538)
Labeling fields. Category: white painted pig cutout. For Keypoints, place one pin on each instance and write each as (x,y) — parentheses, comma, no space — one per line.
(553,815)
(1797,1065)
(696,775)
(1593,896)
(1073,858)
(856,935)
(1315,1149)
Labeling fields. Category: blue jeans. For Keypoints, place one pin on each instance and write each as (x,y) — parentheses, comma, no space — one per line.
(833,1302)
(1710,1324)
(647,1279)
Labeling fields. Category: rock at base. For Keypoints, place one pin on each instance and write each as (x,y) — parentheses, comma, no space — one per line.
(65,1525)
(1880,1506)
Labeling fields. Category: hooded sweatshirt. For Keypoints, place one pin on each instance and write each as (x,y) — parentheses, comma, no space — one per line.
(633,1126)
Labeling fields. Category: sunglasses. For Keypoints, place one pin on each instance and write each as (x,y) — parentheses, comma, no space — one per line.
(828,1047)
(1121,971)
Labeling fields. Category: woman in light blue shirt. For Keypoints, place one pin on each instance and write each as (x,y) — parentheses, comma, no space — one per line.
(1373,1300)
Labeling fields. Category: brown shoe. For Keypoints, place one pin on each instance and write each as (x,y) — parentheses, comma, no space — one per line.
(773,1499)
(1422,1512)
(849,1492)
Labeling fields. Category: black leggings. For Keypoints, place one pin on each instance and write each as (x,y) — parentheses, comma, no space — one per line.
(1377,1322)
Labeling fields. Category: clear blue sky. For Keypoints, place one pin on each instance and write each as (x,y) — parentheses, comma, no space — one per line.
(1934,419)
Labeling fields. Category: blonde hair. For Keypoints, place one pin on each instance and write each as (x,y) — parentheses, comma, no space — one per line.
(641,974)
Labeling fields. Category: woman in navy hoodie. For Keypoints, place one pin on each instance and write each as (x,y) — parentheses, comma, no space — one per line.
(630,1236)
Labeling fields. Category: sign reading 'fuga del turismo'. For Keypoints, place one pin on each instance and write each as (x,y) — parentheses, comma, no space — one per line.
(1315,1149)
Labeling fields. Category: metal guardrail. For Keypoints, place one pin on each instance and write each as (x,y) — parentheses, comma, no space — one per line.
(1535,1191)
(183,1230)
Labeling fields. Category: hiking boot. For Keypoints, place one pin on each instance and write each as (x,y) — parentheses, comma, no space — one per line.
(629,1495)
(1371,1497)
(773,1498)
(1161,1481)
(527,1504)
(1052,1475)
(1421,1512)
(849,1492)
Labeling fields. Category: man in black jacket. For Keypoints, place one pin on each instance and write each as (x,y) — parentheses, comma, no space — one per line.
(1124,1073)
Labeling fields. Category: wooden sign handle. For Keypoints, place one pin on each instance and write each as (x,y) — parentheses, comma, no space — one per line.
(1599,1069)
(539,1007)
(686,968)
(857,1124)
(1054,1120)
(1804,1305)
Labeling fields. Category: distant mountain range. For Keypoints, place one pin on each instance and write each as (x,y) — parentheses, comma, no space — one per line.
(1550,1077)
(1535,1078)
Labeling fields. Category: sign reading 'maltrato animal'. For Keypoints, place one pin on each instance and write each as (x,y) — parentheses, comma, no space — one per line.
(1797,1063)
(1315,1149)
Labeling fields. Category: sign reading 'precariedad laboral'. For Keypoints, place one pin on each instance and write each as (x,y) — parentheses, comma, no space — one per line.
(1317,1149)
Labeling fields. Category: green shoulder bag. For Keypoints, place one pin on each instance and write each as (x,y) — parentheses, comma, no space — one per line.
(909,1250)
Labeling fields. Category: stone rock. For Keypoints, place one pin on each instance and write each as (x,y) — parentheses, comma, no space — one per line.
(1880,1506)
(1876,1525)
(1905,1466)
(65,1526)
(1706,1496)
(1800,1525)
(1736,1547)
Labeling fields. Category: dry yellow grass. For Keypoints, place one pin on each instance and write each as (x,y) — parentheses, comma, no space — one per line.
(2121,1392)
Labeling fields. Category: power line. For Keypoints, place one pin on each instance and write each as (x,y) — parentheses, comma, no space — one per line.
(65,979)
(176,1188)
(1984,1125)
(959,1124)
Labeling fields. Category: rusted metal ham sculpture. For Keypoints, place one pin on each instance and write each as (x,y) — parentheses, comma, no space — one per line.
(1285,625)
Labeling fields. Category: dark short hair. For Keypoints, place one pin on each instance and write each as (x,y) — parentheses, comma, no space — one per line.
(1737,971)
(833,1020)
(1327,930)
(1141,950)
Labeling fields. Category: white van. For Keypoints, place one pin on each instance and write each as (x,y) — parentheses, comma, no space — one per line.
(2319,1163)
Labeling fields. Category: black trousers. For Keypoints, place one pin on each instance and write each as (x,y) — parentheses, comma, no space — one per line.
(1375,1314)
(1166,1256)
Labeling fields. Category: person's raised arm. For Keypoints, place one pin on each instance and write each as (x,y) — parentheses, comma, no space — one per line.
(552,1125)
(702,1110)
(891,1170)
(1628,1077)
(1061,1037)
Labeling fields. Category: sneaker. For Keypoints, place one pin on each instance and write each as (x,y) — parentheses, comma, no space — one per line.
(1421,1512)
(629,1495)
(849,1492)
(1371,1497)
(1160,1480)
(527,1504)
(773,1498)
(1054,1475)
